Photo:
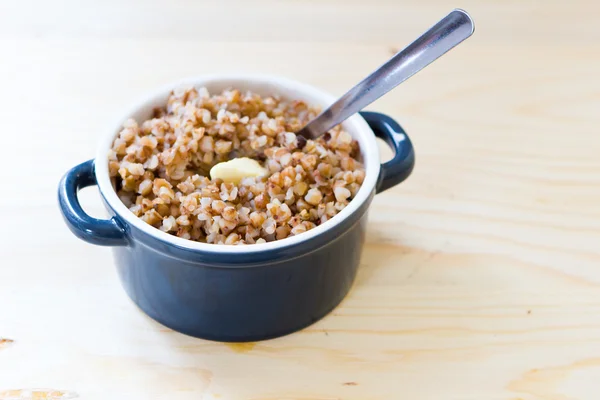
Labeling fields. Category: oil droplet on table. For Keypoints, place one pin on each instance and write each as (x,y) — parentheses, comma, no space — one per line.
(241,347)
(5,342)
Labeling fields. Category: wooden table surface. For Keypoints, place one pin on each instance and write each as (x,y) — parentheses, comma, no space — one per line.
(481,276)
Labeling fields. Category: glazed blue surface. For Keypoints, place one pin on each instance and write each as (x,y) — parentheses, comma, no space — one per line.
(401,165)
(92,230)
(243,303)
(237,297)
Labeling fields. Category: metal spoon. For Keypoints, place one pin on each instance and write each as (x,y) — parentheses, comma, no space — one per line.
(439,39)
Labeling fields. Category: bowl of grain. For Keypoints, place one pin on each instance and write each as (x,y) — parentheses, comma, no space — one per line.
(254,255)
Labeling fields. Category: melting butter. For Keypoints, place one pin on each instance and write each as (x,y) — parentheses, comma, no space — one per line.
(233,171)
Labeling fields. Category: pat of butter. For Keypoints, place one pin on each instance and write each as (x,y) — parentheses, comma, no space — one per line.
(233,171)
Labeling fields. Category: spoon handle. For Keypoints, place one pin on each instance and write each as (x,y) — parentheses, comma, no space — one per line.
(439,39)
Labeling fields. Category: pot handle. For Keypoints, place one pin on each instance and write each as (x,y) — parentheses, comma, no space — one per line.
(400,167)
(92,230)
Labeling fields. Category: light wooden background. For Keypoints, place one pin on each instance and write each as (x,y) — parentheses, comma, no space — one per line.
(481,278)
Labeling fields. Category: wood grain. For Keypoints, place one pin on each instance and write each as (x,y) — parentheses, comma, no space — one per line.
(480,278)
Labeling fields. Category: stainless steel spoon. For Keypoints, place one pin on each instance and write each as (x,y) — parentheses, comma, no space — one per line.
(439,39)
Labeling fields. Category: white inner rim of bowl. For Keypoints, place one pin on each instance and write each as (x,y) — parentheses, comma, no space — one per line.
(263,85)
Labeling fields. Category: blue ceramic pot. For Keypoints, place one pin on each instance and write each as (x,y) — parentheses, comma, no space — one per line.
(238,293)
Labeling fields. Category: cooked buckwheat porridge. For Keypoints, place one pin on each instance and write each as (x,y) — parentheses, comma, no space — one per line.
(161,168)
